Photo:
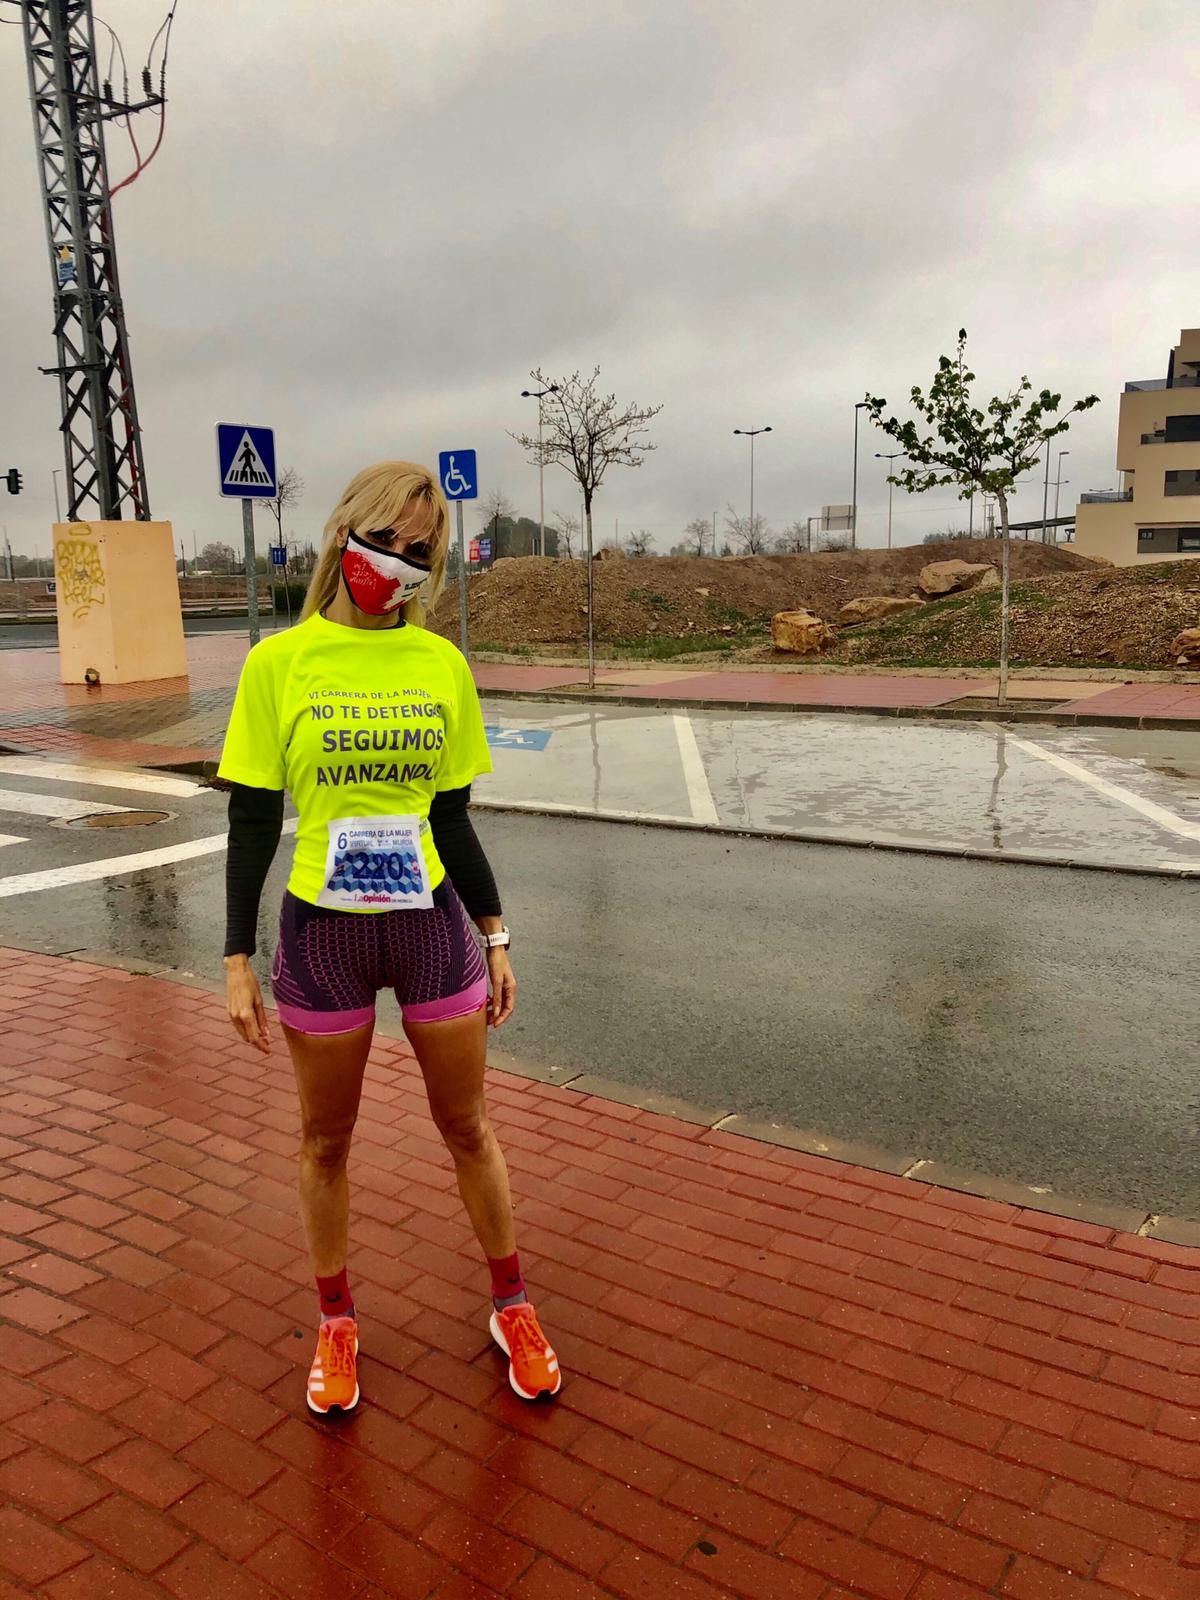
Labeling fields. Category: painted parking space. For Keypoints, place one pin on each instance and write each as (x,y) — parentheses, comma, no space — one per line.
(1098,797)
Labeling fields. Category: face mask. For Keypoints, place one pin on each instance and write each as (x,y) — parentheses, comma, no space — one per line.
(378,580)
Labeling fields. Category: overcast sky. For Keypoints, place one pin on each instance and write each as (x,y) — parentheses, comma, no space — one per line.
(369,220)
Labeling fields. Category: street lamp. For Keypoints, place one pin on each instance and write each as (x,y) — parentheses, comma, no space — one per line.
(895,456)
(858,406)
(537,394)
(752,434)
(54,477)
(1059,480)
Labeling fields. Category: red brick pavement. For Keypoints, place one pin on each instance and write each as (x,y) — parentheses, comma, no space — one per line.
(788,1379)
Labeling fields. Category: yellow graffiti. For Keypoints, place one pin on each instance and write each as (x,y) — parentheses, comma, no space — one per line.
(79,571)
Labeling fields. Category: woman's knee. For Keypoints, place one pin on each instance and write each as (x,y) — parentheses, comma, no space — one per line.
(326,1149)
(466,1133)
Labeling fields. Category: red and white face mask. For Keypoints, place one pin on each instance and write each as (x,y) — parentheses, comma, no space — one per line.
(378,580)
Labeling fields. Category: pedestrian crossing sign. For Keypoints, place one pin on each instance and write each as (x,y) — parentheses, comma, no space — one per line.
(246,461)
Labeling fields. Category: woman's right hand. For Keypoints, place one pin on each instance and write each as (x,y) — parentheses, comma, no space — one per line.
(245,1001)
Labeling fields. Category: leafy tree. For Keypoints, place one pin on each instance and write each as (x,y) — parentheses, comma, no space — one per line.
(585,433)
(956,443)
(749,538)
(289,492)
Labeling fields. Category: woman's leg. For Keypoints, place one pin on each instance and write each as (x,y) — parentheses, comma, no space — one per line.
(452,1055)
(329,1075)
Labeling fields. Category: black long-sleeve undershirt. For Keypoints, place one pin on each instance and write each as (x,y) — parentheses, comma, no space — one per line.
(255,826)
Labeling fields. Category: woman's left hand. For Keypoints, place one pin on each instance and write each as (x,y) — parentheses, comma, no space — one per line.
(503,986)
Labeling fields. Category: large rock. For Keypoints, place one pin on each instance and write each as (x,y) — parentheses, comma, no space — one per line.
(952,577)
(800,632)
(1185,647)
(870,607)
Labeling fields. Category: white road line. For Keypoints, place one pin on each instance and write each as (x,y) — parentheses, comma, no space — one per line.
(1135,802)
(12,838)
(101,777)
(52,805)
(699,794)
(116,866)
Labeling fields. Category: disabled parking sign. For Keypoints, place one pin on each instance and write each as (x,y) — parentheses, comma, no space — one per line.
(535,739)
(456,474)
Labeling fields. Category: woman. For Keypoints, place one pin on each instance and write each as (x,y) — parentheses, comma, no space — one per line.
(373,725)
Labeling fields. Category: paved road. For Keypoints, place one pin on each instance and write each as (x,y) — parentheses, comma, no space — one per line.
(1034,1024)
(26,635)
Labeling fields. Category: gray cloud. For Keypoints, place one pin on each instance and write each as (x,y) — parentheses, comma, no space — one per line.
(369,221)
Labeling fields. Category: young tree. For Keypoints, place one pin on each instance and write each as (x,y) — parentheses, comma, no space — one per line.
(640,544)
(697,537)
(750,538)
(289,492)
(585,433)
(568,532)
(793,541)
(977,452)
(495,507)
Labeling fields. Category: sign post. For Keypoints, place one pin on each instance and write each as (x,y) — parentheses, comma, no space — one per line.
(456,470)
(246,464)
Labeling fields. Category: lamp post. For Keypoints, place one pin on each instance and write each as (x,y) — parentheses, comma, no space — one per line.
(858,406)
(54,479)
(894,456)
(752,434)
(537,394)
(1059,480)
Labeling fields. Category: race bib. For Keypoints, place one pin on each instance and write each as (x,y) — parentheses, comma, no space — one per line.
(376,862)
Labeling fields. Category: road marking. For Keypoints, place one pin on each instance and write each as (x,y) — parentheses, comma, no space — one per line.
(115,866)
(699,794)
(12,838)
(1114,791)
(52,805)
(101,777)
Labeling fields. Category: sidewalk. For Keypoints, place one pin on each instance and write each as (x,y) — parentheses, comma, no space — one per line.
(182,720)
(787,1379)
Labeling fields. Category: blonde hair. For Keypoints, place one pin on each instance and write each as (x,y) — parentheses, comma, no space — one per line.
(384,496)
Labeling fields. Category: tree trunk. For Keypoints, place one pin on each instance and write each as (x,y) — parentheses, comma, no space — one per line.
(591,600)
(1002,501)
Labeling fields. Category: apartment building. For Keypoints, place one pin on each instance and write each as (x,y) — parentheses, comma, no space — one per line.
(1156,512)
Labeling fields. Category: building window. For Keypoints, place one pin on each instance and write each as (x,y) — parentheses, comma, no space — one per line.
(1182,480)
(1184,429)
(1167,541)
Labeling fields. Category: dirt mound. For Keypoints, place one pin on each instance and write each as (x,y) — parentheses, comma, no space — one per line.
(528,601)
(1111,616)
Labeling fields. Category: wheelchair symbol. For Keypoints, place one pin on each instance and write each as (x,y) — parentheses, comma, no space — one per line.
(455,485)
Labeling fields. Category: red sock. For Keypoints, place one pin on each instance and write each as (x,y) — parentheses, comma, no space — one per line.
(508,1286)
(335,1296)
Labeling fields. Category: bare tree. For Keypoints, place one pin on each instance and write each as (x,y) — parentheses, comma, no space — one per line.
(697,537)
(494,507)
(639,544)
(568,532)
(749,538)
(793,541)
(831,542)
(289,492)
(585,433)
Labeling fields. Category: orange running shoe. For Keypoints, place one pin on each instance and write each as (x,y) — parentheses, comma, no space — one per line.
(532,1365)
(333,1378)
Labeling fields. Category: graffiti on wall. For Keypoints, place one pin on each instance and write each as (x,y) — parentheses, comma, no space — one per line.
(79,570)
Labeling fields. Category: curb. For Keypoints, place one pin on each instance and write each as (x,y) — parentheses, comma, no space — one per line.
(1179,1231)
(1055,719)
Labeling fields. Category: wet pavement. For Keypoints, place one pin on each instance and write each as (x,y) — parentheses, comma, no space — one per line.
(1032,1024)
(1089,797)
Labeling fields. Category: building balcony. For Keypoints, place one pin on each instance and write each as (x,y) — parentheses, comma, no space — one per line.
(1105,497)
(1144,385)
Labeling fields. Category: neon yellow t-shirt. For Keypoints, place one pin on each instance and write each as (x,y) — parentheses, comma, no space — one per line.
(362,727)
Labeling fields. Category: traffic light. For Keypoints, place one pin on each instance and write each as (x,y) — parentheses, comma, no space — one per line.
(14,481)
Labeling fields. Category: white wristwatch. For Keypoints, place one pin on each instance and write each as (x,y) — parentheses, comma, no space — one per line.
(498,941)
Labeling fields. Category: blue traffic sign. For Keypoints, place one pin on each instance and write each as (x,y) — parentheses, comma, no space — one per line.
(279,555)
(246,461)
(456,472)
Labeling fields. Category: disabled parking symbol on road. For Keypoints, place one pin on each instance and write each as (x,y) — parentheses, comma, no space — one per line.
(517,738)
